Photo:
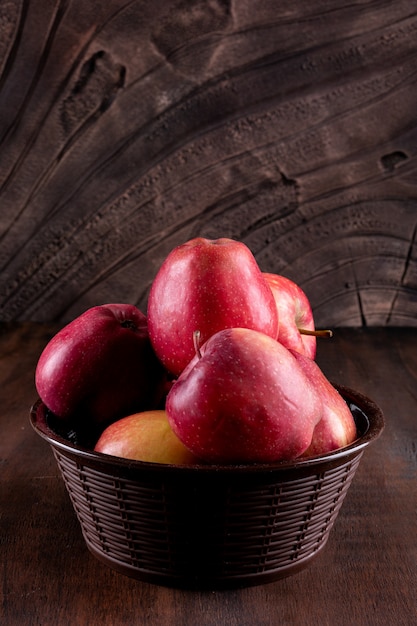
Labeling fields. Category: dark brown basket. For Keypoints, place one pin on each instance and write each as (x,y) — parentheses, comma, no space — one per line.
(207,527)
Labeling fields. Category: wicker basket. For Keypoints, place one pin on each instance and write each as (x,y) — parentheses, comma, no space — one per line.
(208,527)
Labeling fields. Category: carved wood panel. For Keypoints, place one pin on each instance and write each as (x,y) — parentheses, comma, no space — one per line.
(128,127)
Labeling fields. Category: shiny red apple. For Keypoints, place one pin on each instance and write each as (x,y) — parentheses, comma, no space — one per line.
(336,427)
(206,285)
(295,313)
(100,366)
(145,436)
(244,398)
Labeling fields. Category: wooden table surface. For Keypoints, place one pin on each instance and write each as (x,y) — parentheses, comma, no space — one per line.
(366,574)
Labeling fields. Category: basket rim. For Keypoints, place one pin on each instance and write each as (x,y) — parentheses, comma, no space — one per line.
(369,411)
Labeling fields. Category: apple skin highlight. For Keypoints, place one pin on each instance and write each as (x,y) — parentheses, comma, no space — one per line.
(206,285)
(145,436)
(295,313)
(101,366)
(245,399)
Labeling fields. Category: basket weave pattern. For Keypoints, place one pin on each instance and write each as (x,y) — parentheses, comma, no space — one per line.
(208,526)
(227,530)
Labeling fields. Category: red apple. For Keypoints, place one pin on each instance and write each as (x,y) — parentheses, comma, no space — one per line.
(243,398)
(100,366)
(295,313)
(207,285)
(337,427)
(145,436)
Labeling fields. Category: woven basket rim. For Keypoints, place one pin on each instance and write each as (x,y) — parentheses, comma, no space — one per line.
(370,414)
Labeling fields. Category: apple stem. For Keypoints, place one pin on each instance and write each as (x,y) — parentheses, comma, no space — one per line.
(196,341)
(316,333)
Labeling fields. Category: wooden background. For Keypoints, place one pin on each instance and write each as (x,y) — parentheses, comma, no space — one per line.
(128,127)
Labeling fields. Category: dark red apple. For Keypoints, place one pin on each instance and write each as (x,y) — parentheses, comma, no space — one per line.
(337,427)
(145,436)
(100,366)
(295,313)
(244,398)
(206,285)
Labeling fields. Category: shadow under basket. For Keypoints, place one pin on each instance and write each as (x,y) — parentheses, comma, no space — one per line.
(208,526)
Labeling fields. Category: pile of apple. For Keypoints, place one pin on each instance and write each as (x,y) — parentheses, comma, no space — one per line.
(221,369)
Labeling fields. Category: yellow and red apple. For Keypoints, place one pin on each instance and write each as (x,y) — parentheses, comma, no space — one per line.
(145,436)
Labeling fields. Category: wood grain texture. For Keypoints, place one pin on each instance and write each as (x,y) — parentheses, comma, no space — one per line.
(365,576)
(128,127)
